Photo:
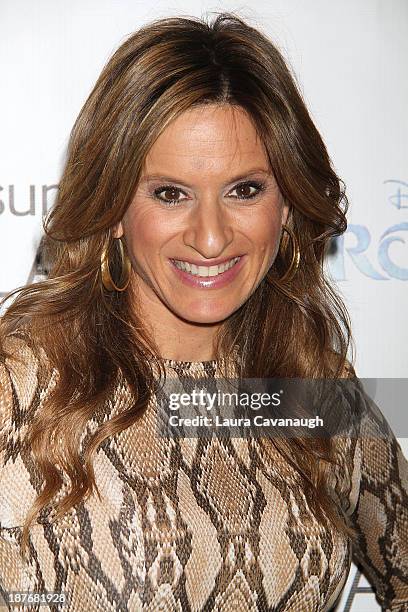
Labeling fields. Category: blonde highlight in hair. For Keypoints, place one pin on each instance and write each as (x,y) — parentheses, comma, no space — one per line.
(94,340)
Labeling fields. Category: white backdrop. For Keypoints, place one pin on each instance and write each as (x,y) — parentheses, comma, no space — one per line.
(351,61)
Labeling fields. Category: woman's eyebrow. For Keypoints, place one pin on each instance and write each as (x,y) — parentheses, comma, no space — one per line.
(170,179)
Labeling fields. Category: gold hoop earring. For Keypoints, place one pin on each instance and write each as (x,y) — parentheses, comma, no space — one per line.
(294,263)
(107,279)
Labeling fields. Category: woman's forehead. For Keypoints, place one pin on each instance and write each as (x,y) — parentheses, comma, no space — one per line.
(207,141)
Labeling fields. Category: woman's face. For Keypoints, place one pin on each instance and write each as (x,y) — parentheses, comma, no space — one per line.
(206,194)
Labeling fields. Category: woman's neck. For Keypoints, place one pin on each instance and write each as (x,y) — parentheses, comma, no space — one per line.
(189,345)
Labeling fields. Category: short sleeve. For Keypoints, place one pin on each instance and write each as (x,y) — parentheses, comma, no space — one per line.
(380,515)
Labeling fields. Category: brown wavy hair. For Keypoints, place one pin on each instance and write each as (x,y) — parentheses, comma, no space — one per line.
(95,338)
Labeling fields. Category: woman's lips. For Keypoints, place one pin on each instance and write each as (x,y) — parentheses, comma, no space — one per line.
(209,282)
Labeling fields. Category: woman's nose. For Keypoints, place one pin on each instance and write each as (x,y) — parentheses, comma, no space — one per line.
(209,230)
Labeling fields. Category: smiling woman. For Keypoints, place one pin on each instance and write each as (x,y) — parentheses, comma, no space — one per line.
(187,241)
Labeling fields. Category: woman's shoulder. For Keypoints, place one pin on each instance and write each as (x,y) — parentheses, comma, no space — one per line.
(16,346)
(23,383)
(24,373)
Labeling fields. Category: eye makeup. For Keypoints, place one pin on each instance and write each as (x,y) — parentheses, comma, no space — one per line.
(259,186)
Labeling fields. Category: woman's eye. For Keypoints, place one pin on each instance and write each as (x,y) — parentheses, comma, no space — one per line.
(244,190)
(169,193)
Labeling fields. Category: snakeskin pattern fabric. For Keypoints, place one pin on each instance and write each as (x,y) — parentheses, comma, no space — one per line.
(195,524)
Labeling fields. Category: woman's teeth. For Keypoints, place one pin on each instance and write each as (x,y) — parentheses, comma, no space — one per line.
(205,270)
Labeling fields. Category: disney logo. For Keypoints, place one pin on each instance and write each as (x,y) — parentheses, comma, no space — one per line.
(397,198)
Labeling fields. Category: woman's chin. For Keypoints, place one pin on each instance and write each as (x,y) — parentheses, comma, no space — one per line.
(202,315)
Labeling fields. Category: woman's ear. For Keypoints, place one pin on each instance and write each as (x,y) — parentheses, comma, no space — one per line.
(118,230)
(285,212)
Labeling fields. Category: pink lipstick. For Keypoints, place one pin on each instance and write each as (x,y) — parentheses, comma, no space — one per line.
(209,282)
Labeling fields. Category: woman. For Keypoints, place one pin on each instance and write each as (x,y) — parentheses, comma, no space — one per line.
(187,240)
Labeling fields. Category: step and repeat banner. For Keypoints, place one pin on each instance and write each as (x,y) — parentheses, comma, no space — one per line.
(350,59)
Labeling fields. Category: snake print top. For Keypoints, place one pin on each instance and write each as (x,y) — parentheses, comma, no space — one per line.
(195,524)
